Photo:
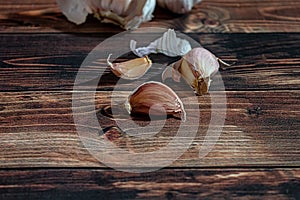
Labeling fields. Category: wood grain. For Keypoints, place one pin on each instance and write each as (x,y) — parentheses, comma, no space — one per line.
(210,16)
(37,130)
(262,61)
(257,156)
(242,184)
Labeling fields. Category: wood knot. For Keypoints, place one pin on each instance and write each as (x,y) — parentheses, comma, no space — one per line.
(113,133)
(211,23)
(257,110)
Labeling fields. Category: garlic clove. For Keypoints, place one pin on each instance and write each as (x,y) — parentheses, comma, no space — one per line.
(154,95)
(196,67)
(132,69)
(178,6)
(202,61)
(128,14)
(169,44)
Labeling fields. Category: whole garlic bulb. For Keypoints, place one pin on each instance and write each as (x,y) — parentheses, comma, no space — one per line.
(129,14)
(178,6)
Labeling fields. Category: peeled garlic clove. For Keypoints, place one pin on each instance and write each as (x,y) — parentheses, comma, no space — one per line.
(178,6)
(196,67)
(169,44)
(154,95)
(129,14)
(132,69)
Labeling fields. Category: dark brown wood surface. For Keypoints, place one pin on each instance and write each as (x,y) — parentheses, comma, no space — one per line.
(44,120)
(262,61)
(167,184)
(257,156)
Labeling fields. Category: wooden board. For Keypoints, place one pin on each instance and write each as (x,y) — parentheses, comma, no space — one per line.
(37,130)
(234,16)
(241,184)
(257,156)
(262,61)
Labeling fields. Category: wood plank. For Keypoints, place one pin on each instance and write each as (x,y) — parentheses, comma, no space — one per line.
(242,184)
(37,130)
(256,157)
(263,61)
(234,16)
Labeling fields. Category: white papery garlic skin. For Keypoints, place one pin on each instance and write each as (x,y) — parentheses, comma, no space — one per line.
(196,67)
(75,10)
(129,14)
(169,44)
(178,6)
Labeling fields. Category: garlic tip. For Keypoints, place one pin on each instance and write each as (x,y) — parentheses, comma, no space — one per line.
(128,106)
(223,62)
(108,62)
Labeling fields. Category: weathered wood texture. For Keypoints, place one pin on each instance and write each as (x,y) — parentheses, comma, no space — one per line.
(241,184)
(257,156)
(51,61)
(37,130)
(209,16)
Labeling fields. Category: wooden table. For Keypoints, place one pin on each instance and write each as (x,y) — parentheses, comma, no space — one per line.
(257,155)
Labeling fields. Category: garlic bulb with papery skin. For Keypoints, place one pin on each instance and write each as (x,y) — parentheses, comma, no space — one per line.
(196,67)
(169,44)
(156,96)
(75,10)
(129,14)
(178,6)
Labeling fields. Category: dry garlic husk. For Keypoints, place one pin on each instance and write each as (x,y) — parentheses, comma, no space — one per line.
(169,44)
(178,6)
(129,14)
(196,67)
(132,69)
(153,93)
